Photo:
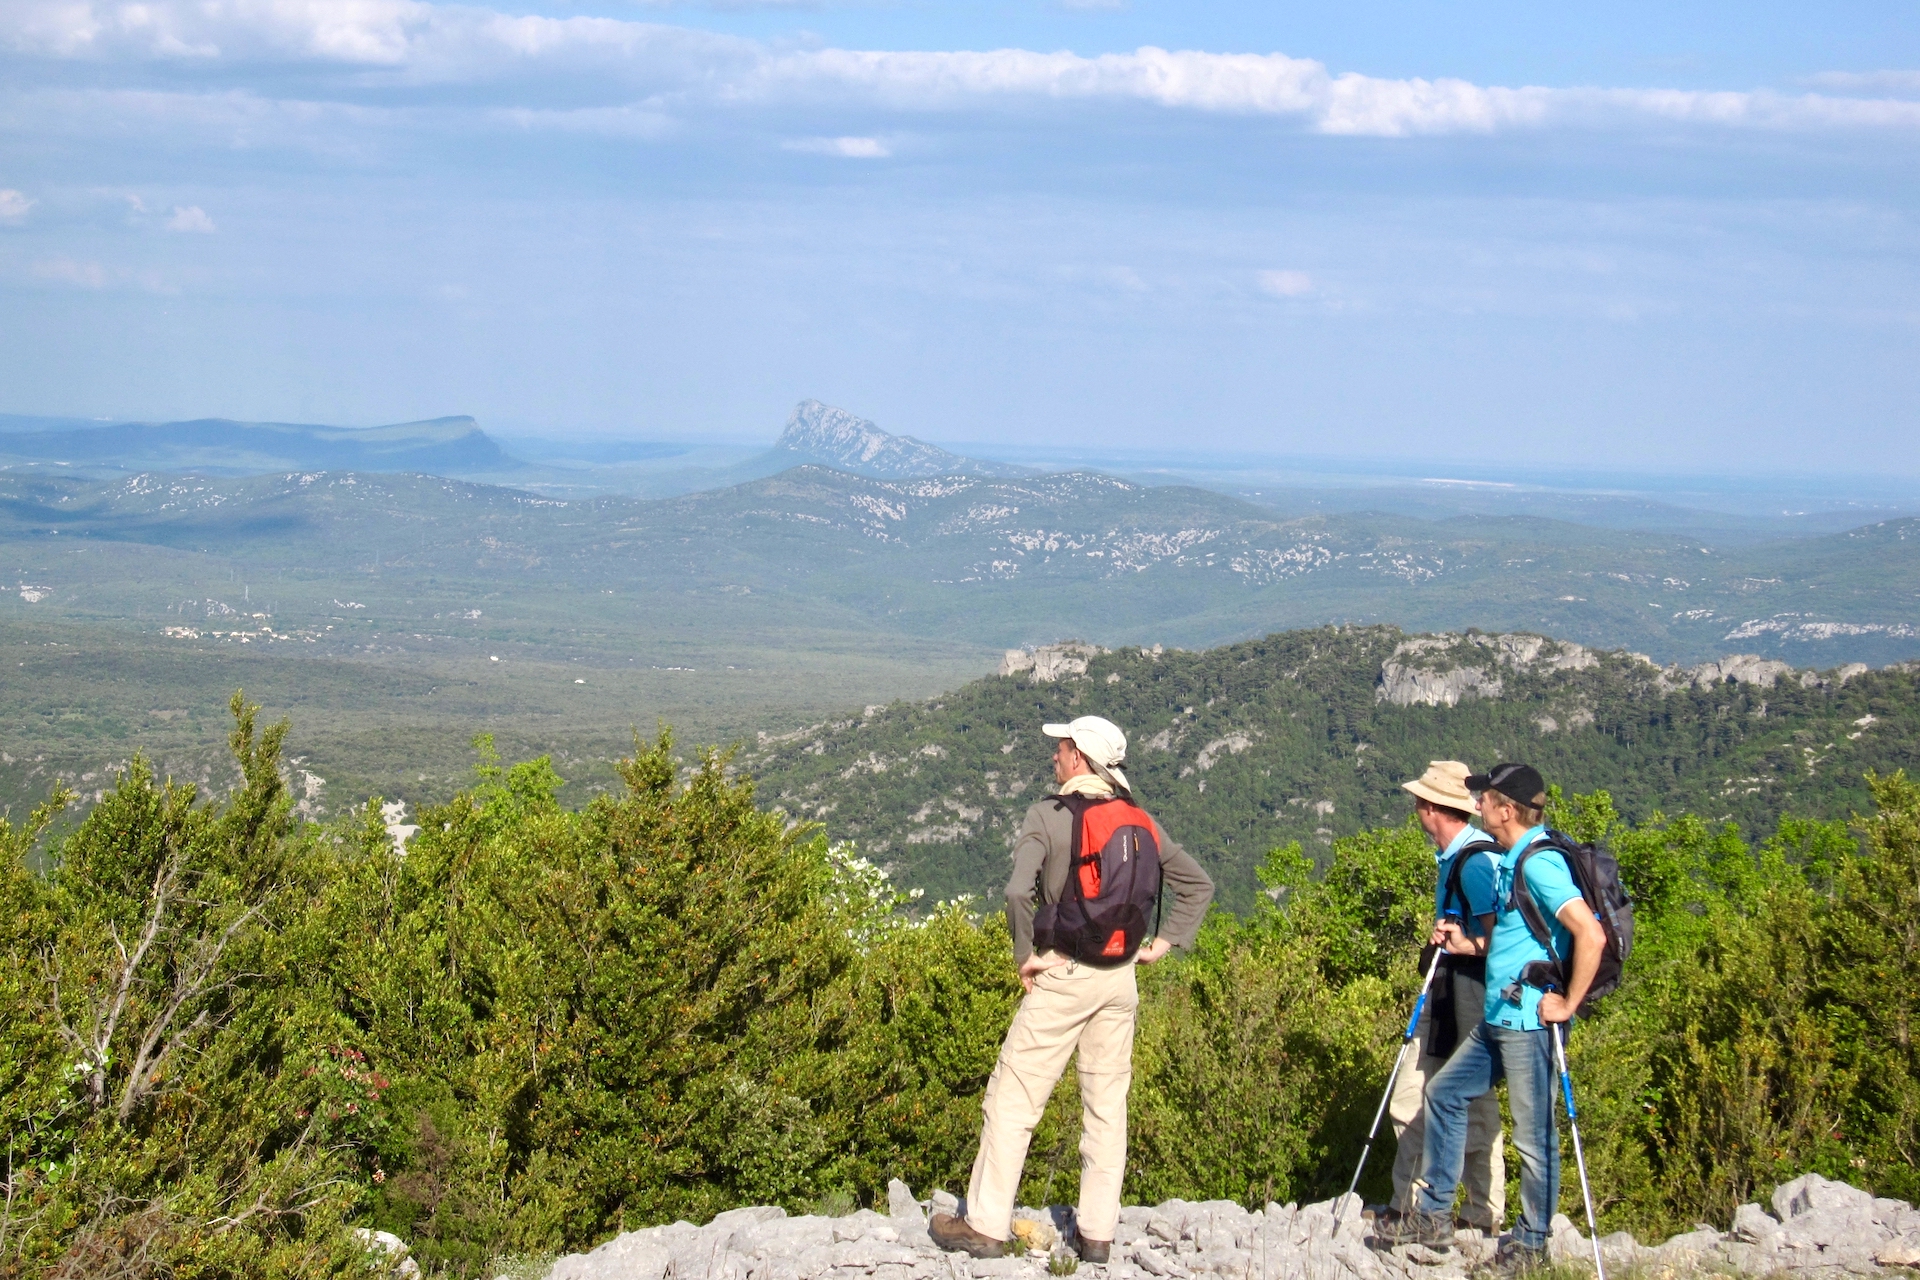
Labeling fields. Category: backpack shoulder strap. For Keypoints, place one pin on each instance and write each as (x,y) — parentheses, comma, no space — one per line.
(1076,808)
(1457,868)
(1522,900)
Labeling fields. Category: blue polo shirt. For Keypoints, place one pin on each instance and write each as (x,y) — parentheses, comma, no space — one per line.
(1514,946)
(1476,880)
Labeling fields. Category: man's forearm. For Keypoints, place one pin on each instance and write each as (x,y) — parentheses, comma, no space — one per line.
(1192,893)
(1024,890)
(1587,944)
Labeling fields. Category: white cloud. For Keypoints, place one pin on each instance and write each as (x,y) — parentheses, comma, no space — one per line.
(1249,83)
(609,64)
(190,218)
(846,148)
(13,204)
(1285,284)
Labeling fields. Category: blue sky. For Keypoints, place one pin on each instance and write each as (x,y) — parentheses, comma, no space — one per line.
(1629,236)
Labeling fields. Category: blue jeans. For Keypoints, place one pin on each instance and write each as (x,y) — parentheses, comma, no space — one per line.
(1525,1058)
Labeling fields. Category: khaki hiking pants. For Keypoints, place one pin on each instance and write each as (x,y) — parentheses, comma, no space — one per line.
(1485,1174)
(1071,1007)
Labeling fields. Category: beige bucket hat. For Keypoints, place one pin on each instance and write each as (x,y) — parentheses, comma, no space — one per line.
(1444,783)
(1100,741)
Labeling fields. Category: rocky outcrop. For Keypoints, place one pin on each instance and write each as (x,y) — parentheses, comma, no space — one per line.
(1409,686)
(1744,668)
(1048,662)
(1444,670)
(1818,1228)
(821,433)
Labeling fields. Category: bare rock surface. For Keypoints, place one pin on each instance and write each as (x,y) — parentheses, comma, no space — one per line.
(1818,1228)
(1049,662)
(1448,668)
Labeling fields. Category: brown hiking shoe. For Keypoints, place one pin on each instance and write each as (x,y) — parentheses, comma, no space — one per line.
(1512,1260)
(1093,1251)
(1434,1230)
(954,1235)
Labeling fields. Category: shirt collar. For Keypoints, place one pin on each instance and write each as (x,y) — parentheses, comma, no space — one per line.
(1526,838)
(1467,834)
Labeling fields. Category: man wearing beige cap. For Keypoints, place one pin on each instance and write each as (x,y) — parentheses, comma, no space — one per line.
(1094,863)
(1465,894)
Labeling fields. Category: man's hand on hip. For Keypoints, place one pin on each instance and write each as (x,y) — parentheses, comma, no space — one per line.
(1036,964)
(1153,951)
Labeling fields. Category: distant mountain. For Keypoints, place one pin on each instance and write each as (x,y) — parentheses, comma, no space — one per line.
(221,446)
(834,438)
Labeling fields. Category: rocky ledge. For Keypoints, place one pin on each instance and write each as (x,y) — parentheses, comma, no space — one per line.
(1818,1229)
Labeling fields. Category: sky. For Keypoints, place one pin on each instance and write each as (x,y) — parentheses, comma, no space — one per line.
(1628,236)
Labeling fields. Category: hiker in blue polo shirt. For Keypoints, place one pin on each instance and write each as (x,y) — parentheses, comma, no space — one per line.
(1463,892)
(1512,1041)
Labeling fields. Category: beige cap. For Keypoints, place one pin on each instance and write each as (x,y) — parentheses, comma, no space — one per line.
(1100,741)
(1444,783)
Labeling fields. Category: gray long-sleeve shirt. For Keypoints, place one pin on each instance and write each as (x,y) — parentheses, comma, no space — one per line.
(1041,859)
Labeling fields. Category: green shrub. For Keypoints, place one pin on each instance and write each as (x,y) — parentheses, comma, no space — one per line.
(229,1037)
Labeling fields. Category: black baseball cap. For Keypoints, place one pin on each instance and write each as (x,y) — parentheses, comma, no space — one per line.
(1521,783)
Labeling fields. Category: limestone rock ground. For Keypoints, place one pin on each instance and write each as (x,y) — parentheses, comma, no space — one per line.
(1818,1229)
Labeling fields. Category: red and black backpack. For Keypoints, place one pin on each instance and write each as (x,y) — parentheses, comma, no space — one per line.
(1113,885)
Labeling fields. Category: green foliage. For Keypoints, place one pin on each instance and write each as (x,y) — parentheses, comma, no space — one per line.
(1762,1029)
(1259,1056)
(232,1036)
(159,1111)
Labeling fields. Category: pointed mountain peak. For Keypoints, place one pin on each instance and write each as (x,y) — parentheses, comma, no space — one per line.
(838,439)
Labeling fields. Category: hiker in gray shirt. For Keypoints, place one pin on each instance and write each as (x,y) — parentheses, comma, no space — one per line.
(1080,992)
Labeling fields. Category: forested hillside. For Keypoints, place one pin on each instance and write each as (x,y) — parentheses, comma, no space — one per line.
(1306,735)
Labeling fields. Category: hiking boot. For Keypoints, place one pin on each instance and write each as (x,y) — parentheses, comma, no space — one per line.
(954,1235)
(1373,1211)
(1511,1260)
(1094,1251)
(1434,1230)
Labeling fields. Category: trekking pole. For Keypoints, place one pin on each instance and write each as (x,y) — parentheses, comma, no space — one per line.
(1579,1156)
(1398,1059)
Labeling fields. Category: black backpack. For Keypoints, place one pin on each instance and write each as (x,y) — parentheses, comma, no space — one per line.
(1113,885)
(1596,873)
(1446,1015)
